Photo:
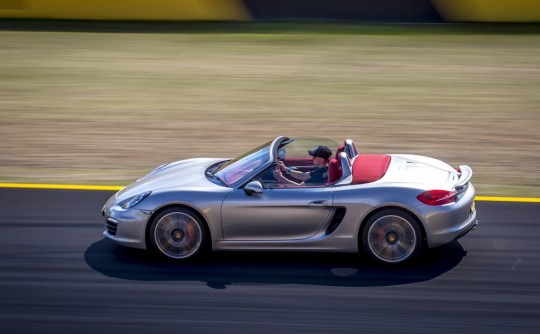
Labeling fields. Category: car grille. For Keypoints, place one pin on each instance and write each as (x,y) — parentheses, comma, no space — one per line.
(111,226)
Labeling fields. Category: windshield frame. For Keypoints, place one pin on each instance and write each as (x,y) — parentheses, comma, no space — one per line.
(238,162)
(272,149)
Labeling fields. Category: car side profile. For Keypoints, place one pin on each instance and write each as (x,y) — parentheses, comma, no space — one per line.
(389,207)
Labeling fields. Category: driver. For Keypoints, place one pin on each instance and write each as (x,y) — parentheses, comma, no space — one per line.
(318,176)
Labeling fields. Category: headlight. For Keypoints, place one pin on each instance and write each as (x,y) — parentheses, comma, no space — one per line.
(128,203)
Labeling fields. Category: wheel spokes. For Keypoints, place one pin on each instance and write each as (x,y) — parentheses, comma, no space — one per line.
(178,235)
(392,239)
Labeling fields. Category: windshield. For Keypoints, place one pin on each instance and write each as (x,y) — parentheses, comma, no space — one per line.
(237,168)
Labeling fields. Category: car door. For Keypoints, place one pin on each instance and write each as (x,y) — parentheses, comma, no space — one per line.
(276,214)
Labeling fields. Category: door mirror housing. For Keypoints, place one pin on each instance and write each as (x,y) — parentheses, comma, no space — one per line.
(254,187)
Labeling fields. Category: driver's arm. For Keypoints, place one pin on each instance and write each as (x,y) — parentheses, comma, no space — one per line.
(299,175)
(294,173)
(279,176)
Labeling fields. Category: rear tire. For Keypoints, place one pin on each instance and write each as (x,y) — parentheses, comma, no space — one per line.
(178,234)
(392,237)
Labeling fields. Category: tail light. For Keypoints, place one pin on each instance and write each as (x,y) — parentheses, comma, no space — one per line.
(437,197)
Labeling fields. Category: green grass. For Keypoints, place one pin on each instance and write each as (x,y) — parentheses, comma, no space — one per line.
(99,107)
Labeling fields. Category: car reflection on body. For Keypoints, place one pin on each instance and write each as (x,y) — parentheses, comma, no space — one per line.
(387,206)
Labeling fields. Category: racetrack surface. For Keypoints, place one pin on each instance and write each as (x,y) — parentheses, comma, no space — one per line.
(59,275)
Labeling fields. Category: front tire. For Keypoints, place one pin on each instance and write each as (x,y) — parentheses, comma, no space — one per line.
(392,236)
(178,234)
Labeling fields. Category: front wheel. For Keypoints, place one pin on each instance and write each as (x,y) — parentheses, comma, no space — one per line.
(177,233)
(392,237)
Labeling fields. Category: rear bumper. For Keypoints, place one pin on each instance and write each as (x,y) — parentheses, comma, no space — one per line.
(455,233)
(470,228)
(447,223)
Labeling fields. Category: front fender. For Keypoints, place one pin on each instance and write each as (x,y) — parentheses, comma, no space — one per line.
(206,203)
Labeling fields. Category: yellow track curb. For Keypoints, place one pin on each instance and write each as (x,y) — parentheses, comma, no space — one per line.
(116,188)
(508,199)
(58,186)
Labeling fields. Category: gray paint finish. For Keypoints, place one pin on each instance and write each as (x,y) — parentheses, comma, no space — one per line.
(291,218)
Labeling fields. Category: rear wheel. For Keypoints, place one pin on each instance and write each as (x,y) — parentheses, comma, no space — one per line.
(392,236)
(178,233)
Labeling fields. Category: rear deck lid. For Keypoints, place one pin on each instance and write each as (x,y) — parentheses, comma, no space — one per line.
(434,173)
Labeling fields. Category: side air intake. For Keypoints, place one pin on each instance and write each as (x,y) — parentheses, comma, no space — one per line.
(336,220)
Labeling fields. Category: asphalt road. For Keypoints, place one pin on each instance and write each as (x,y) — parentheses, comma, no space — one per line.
(59,275)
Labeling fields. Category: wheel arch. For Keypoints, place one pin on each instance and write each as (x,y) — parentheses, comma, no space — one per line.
(389,207)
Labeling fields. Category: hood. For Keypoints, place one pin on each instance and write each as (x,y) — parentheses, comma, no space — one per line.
(430,172)
(186,174)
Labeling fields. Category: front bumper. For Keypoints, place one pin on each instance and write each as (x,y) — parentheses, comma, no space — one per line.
(126,227)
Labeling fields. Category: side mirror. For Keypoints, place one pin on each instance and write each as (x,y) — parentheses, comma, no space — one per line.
(254,187)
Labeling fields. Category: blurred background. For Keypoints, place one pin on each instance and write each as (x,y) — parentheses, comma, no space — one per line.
(101,92)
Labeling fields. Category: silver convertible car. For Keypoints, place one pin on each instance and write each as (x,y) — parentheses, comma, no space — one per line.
(387,206)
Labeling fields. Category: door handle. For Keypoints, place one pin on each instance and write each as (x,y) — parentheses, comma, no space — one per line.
(318,204)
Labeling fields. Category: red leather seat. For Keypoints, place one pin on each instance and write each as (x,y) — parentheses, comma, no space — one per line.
(334,170)
(340,149)
(369,167)
(334,166)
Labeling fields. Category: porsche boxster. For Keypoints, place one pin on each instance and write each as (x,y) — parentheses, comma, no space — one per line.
(389,207)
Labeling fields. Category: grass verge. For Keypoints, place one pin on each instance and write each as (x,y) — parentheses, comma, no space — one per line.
(105,106)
